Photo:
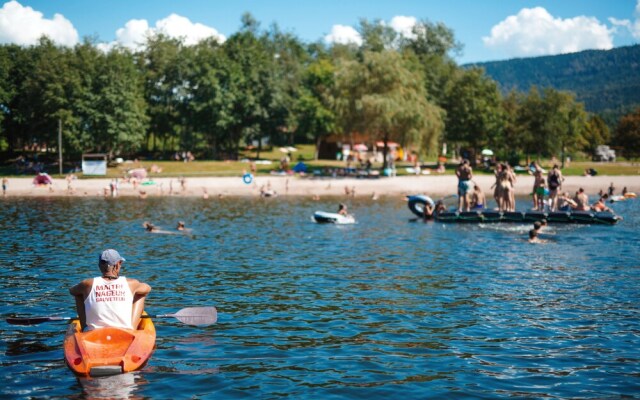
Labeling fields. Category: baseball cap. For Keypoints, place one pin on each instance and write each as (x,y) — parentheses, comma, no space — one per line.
(111,257)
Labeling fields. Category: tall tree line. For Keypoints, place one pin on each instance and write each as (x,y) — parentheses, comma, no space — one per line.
(213,98)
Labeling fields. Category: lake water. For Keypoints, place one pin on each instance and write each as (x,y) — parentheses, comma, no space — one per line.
(385,308)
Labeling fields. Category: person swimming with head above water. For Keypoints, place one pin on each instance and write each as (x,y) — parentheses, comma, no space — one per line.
(342,209)
(533,236)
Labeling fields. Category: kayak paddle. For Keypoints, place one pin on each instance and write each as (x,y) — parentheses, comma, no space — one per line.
(198,316)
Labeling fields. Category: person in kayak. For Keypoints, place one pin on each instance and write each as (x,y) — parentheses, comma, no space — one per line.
(110,300)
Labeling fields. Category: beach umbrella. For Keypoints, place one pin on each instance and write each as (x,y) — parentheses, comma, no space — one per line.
(389,144)
(487,152)
(291,149)
(360,147)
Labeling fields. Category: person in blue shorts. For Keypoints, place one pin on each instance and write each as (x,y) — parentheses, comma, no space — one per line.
(464,172)
(478,201)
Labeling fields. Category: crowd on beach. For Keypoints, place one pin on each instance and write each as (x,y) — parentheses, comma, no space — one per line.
(546,192)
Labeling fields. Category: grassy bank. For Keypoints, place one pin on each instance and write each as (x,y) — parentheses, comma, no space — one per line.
(305,153)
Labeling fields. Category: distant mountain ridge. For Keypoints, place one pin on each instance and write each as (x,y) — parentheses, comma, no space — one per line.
(607,81)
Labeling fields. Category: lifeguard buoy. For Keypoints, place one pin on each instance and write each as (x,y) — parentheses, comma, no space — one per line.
(247,178)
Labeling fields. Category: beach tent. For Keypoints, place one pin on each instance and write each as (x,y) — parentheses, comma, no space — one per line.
(42,179)
(300,167)
(138,173)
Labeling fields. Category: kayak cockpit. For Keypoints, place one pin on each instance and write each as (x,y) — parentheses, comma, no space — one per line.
(108,351)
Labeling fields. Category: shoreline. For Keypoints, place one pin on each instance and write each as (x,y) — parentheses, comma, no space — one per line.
(432,185)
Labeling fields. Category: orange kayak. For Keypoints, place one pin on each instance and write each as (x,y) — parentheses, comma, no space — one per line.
(108,351)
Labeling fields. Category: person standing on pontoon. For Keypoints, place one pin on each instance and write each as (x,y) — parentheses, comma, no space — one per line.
(464,172)
(554,180)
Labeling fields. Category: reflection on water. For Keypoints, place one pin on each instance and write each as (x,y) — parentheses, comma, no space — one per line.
(382,309)
(122,386)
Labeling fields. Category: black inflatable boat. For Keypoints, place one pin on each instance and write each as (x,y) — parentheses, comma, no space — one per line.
(416,205)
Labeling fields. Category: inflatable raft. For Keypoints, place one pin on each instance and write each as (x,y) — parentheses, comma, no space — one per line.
(416,205)
(322,217)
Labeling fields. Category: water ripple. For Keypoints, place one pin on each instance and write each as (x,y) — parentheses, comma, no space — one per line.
(380,309)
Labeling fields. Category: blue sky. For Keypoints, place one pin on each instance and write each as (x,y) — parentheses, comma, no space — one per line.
(488,29)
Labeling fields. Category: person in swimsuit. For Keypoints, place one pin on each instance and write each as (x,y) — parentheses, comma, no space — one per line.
(539,195)
(478,201)
(554,180)
(507,180)
(110,300)
(464,172)
(533,237)
(342,209)
(431,210)
(497,191)
(149,227)
(582,200)
(600,206)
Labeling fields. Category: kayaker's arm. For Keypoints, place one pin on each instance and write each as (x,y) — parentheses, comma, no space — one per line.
(140,291)
(79,292)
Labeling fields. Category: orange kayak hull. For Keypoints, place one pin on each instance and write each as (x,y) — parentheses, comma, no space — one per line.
(108,351)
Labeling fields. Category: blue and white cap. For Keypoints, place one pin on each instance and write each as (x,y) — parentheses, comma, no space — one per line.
(111,257)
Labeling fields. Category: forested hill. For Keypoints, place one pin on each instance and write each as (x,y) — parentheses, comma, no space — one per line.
(607,81)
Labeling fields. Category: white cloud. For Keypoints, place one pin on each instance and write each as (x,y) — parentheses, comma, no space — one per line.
(535,32)
(177,26)
(404,25)
(632,27)
(24,26)
(135,32)
(343,34)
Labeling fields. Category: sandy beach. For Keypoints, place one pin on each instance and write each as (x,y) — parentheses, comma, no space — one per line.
(433,185)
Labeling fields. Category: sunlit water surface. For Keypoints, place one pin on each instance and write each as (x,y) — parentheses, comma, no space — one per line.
(385,308)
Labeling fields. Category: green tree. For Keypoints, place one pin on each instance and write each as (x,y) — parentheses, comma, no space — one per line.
(163,64)
(433,44)
(119,119)
(474,112)
(596,133)
(248,78)
(285,82)
(510,142)
(628,135)
(376,36)
(385,100)
(210,91)
(315,116)
(552,123)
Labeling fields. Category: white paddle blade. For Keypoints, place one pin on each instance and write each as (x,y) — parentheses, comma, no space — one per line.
(197,316)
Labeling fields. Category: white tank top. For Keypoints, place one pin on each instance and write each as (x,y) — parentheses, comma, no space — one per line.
(110,303)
